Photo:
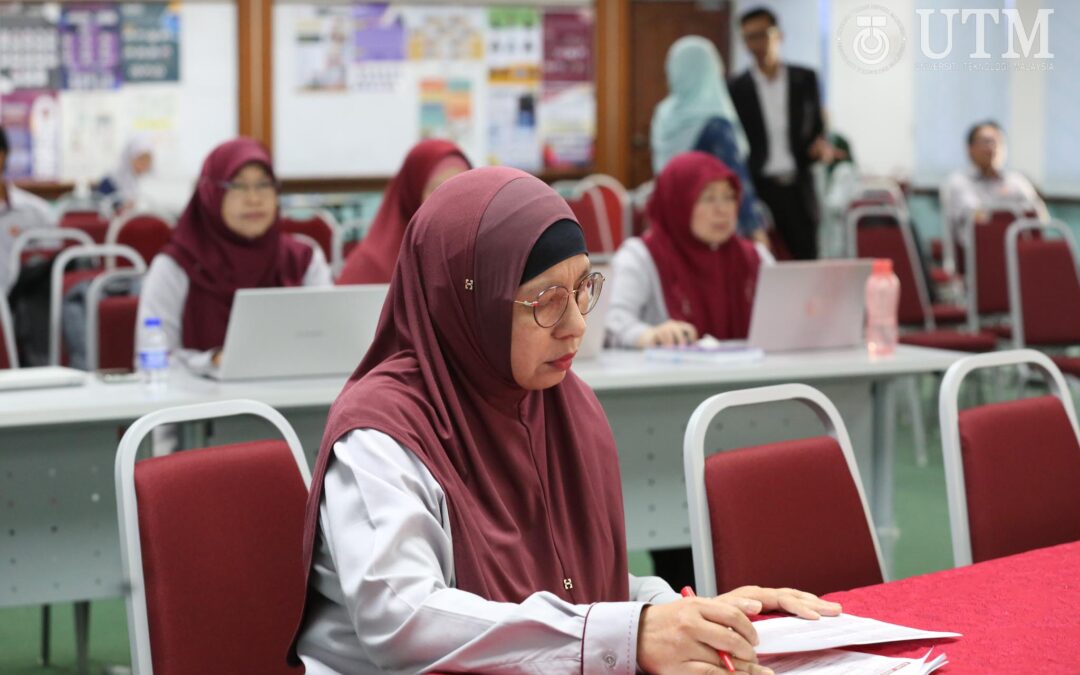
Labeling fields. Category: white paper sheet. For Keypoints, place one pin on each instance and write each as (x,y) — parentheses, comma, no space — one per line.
(836,662)
(790,634)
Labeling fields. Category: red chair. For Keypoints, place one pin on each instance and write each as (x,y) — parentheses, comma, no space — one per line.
(790,536)
(884,232)
(985,276)
(144,231)
(211,547)
(42,243)
(9,356)
(1012,469)
(322,227)
(92,223)
(111,323)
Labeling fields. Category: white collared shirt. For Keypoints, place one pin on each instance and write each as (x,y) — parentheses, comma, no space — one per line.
(23,211)
(773,96)
(965,192)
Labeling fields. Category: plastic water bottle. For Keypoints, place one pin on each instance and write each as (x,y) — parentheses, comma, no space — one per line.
(882,303)
(153,354)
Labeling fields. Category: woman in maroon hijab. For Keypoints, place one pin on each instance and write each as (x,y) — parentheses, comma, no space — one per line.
(229,237)
(427,166)
(690,275)
(466,508)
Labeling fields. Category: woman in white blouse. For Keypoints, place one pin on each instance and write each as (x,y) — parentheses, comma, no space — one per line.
(465,512)
(229,237)
(691,274)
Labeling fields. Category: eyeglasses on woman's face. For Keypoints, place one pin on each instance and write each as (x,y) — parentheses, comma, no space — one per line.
(551,303)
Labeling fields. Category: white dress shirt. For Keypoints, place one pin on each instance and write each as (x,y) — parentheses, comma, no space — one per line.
(164,294)
(637,296)
(385,599)
(23,211)
(773,96)
(966,192)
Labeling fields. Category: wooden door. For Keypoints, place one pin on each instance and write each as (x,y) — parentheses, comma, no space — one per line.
(654,26)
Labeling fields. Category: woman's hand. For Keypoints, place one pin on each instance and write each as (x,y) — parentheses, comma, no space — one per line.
(668,334)
(801,604)
(684,636)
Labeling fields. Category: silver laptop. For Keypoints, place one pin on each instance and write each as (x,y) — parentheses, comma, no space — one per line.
(295,332)
(809,305)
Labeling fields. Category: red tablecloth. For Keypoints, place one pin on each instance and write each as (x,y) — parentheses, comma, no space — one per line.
(1019,614)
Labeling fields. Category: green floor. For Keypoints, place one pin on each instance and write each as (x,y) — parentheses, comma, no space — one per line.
(923,547)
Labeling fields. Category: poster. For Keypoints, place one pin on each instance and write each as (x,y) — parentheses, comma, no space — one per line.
(90,46)
(512,134)
(29,48)
(514,61)
(150,42)
(445,33)
(446,109)
(568,46)
(32,122)
(379,33)
(568,124)
(514,44)
(93,131)
(322,42)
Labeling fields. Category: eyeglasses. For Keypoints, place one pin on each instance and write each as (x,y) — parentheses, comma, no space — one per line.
(264,188)
(550,305)
(716,199)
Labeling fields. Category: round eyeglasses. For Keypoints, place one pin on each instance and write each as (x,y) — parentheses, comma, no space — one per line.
(550,304)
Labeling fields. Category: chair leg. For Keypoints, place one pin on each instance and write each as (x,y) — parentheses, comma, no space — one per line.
(918,424)
(46,633)
(82,637)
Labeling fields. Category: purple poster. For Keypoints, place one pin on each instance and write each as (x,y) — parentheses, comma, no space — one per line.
(379,33)
(32,122)
(568,46)
(90,46)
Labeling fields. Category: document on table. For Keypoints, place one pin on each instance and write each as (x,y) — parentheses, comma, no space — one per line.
(791,634)
(837,662)
(707,350)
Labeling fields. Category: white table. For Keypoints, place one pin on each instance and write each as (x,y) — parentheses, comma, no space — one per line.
(58,532)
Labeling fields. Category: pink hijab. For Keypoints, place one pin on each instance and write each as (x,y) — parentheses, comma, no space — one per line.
(711,289)
(218,261)
(373,260)
(531,477)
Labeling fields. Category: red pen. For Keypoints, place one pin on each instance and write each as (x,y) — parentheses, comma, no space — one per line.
(688,592)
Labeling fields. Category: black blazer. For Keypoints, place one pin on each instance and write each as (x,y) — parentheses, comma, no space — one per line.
(805,123)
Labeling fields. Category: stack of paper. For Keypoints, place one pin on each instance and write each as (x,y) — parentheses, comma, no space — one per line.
(799,647)
(707,350)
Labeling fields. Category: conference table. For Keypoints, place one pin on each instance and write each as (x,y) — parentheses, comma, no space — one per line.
(58,529)
(1016,614)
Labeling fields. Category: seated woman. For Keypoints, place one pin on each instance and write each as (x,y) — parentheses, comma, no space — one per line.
(690,274)
(229,237)
(698,114)
(123,186)
(427,166)
(465,512)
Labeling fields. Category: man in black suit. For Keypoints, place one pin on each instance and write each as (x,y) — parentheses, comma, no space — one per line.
(780,110)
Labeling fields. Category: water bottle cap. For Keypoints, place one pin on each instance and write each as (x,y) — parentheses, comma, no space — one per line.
(152,322)
(883,266)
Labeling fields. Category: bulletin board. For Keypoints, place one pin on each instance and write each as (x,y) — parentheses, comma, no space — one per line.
(77,80)
(356,85)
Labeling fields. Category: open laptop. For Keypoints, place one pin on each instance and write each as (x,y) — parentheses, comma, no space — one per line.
(809,305)
(296,332)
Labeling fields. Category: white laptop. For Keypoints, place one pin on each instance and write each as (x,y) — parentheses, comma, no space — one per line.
(809,305)
(299,331)
(593,341)
(43,377)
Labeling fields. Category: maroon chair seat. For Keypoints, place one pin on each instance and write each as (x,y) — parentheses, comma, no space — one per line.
(791,536)
(116,332)
(949,314)
(221,531)
(1021,462)
(956,340)
(1002,331)
(90,222)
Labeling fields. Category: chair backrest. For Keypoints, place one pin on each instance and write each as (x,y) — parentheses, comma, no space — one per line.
(145,231)
(211,547)
(639,201)
(93,223)
(31,241)
(56,290)
(1012,469)
(984,262)
(1044,284)
(884,232)
(111,323)
(9,356)
(321,226)
(793,536)
(588,212)
(614,201)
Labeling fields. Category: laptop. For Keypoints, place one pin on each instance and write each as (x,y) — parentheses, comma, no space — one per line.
(592,343)
(43,377)
(299,331)
(809,305)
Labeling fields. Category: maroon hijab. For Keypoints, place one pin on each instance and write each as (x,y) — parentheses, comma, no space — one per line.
(531,477)
(217,261)
(373,259)
(711,289)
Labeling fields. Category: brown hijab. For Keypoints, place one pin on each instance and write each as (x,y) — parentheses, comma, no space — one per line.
(531,477)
